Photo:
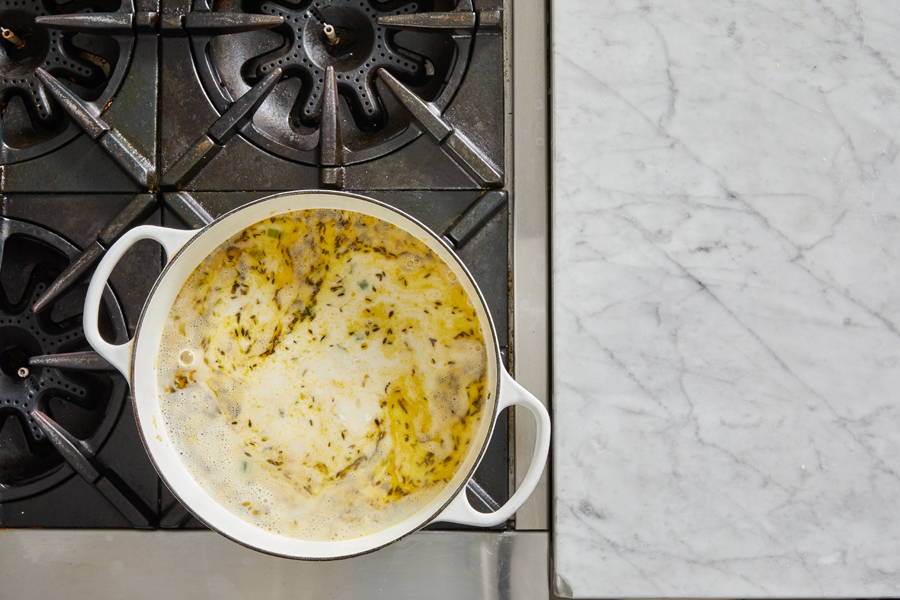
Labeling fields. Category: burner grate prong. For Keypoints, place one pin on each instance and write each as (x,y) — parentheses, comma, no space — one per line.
(482,496)
(243,108)
(331,146)
(474,218)
(122,23)
(87,360)
(112,23)
(82,460)
(430,20)
(71,449)
(456,145)
(457,20)
(426,113)
(88,118)
(210,143)
(70,275)
(222,22)
(137,210)
(187,209)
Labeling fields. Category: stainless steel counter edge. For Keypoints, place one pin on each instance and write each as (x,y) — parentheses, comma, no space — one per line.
(168,564)
(528,38)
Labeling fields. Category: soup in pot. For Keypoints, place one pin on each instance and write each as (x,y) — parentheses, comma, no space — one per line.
(322,374)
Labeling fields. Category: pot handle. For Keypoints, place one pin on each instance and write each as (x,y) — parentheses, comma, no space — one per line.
(459,510)
(119,355)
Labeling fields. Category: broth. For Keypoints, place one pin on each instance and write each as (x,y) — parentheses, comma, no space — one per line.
(322,374)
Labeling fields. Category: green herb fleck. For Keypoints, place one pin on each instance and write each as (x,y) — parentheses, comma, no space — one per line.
(363,284)
(245,466)
(273,233)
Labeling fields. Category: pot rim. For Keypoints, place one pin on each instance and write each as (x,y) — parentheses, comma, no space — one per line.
(495,353)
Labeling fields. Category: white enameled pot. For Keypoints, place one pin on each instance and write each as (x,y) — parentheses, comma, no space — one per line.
(137,358)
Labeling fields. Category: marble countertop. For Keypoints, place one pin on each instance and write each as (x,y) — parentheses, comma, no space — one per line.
(726,284)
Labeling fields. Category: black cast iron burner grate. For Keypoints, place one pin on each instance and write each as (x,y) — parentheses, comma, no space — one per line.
(92,64)
(85,404)
(349,38)
(345,35)
(329,148)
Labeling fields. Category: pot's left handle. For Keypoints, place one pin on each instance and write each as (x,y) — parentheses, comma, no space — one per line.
(119,355)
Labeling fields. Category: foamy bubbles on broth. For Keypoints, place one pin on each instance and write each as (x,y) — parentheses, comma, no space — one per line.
(322,374)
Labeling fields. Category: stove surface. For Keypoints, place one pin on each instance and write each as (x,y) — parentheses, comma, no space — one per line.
(173,114)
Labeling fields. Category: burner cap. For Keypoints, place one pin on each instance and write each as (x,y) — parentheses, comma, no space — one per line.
(345,35)
(86,404)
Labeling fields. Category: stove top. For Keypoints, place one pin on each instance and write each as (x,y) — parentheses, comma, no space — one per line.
(116,115)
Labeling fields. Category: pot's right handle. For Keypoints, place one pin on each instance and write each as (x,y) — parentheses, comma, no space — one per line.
(119,355)
(459,510)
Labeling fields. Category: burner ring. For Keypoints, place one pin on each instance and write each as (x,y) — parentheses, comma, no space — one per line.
(373,122)
(88,405)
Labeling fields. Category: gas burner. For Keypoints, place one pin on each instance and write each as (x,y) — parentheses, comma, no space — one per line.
(85,403)
(343,34)
(350,38)
(91,64)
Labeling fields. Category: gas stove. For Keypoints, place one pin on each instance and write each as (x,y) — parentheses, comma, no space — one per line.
(173,113)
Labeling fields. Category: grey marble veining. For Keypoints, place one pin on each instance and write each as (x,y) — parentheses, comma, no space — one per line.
(726,284)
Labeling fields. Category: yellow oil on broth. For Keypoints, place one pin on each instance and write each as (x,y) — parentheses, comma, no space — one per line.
(334,377)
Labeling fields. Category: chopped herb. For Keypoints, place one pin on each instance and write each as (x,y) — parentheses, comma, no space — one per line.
(363,284)
(273,233)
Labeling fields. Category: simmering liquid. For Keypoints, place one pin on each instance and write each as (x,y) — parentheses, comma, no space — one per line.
(322,374)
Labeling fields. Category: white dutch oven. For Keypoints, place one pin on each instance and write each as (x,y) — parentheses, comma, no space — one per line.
(136,359)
